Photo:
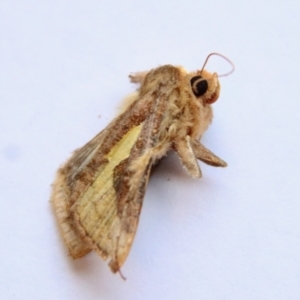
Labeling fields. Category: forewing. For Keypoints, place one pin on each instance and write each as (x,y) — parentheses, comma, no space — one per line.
(97,213)
(103,184)
(68,184)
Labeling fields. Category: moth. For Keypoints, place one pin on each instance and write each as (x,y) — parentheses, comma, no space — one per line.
(98,193)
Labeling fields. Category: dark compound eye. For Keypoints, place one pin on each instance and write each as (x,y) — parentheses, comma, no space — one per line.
(199,85)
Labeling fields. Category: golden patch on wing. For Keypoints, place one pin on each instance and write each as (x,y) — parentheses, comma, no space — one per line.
(96,209)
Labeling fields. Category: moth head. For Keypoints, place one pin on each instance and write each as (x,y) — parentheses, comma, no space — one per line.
(205,86)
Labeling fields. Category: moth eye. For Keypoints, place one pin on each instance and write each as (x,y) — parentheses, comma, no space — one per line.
(199,85)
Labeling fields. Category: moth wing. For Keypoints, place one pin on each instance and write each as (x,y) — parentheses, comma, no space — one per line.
(63,196)
(106,214)
(99,191)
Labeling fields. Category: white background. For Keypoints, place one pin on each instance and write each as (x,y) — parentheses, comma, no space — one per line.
(235,233)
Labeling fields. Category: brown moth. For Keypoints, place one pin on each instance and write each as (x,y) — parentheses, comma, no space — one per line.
(98,192)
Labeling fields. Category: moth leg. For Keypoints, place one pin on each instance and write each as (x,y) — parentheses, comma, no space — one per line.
(206,155)
(187,156)
(138,77)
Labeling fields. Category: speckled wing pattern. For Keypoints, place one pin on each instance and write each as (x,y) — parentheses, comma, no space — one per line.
(98,193)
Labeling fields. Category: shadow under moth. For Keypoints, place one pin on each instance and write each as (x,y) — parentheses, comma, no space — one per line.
(98,193)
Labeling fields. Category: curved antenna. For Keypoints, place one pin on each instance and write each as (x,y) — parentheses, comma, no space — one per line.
(218,54)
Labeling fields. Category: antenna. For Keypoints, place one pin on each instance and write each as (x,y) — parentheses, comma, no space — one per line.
(218,54)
